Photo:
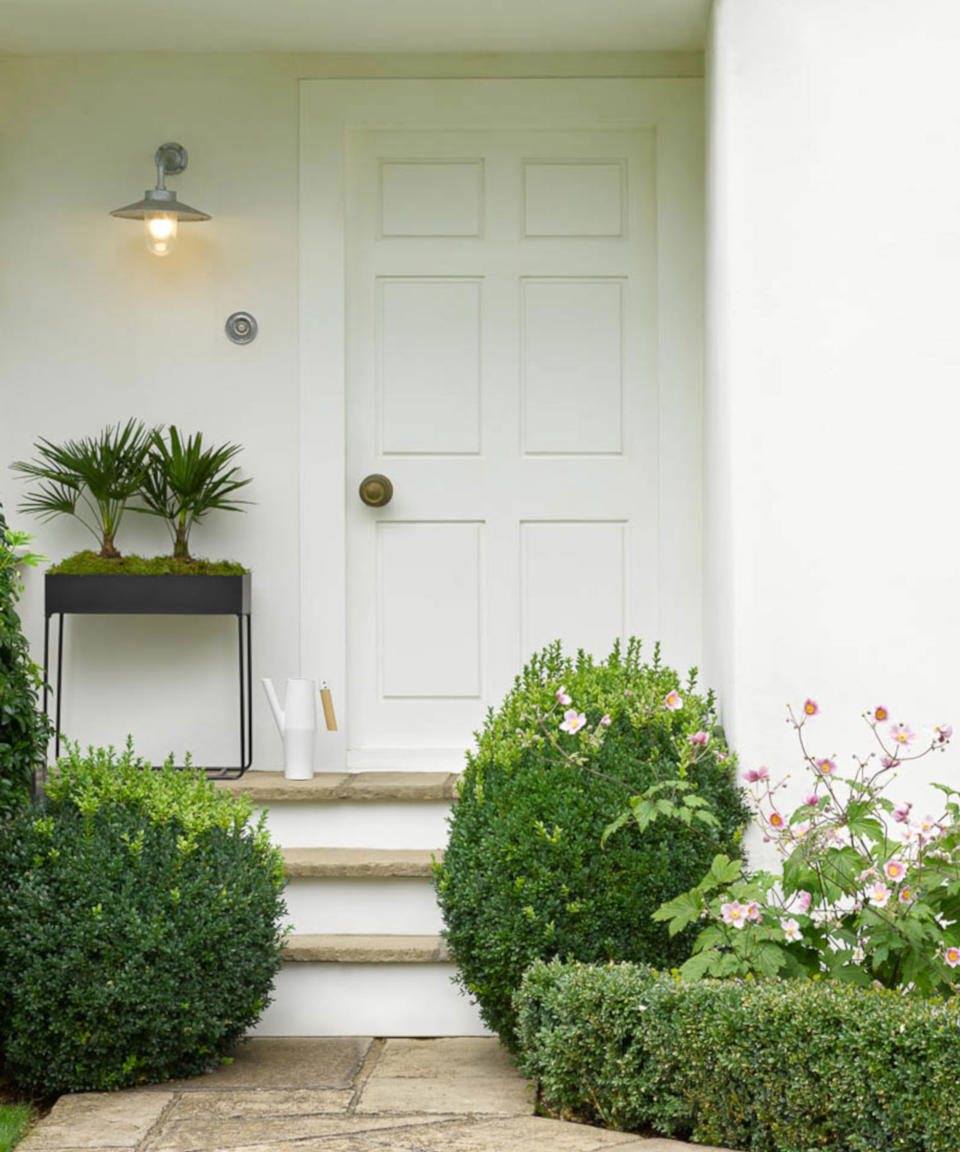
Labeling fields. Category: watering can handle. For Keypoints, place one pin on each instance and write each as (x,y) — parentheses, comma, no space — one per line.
(326,699)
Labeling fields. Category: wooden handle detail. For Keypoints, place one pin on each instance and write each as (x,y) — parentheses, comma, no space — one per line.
(329,716)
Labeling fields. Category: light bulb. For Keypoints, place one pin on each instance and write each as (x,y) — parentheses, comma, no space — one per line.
(161,233)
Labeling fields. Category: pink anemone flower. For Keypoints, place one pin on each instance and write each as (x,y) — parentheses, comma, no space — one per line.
(573,721)
(734,913)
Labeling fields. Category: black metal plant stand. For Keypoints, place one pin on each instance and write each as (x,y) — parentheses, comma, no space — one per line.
(150,596)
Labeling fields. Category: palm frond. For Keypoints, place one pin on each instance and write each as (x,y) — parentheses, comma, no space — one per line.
(49,500)
(184,481)
(105,471)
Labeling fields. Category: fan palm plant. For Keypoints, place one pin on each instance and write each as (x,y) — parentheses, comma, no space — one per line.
(184,481)
(92,479)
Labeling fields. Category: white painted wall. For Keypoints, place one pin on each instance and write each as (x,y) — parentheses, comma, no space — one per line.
(833,363)
(95,330)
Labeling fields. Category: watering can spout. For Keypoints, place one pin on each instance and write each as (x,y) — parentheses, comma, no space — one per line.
(274,703)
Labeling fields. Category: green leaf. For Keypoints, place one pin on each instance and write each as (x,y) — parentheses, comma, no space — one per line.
(727,964)
(868,827)
(701,965)
(710,936)
(615,826)
(769,958)
(852,974)
(680,911)
(644,813)
(723,870)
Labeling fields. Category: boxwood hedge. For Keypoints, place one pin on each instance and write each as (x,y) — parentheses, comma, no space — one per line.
(139,927)
(23,728)
(524,875)
(759,1065)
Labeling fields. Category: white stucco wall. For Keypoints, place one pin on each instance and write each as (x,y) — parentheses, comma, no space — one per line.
(95,330)
(833,361)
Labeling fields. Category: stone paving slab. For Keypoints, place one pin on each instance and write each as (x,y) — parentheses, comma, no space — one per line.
(447,1056)
(321,1094)
(202,1135)
(283,1062)
(515,1134)
(96,1120)
(463,1094)
(659,1144)
(261,1102)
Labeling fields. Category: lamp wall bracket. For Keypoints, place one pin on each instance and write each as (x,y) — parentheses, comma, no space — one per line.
(172,158)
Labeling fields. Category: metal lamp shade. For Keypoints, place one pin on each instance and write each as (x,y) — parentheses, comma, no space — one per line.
(159,200)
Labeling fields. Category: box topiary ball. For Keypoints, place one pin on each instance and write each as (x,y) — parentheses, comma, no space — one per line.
(524,876)
(138,939)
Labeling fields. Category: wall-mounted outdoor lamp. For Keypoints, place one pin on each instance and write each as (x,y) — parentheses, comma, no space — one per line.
(160,210)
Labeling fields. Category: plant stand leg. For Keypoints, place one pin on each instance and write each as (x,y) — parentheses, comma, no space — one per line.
(59,694)
(246,692)
(40,770)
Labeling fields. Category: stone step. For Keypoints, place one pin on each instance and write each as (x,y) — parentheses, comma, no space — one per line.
(370,999)
(361,890)
(364,985)
(394,810)
(359,863)
(342,948)
(352,787)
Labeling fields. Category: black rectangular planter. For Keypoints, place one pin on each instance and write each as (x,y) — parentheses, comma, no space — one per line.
(148,595)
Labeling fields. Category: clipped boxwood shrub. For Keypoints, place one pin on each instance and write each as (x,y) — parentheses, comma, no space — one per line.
(139,927)
(524,875)
(23,728)
(759,1065)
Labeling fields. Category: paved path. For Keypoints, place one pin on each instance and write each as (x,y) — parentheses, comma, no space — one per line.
(332,1095)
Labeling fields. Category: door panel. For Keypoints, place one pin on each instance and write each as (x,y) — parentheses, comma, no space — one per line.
(502,371)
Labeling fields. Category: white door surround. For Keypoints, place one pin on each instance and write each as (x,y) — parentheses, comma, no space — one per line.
(334,116)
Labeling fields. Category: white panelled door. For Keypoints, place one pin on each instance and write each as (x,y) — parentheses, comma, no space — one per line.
(501,370)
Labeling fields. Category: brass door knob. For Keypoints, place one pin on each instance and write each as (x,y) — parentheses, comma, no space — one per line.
(376,490)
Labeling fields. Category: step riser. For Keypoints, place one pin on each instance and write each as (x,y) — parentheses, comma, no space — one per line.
(369,1000)
(370,825)
(392,906)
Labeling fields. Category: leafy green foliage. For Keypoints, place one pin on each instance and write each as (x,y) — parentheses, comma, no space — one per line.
(139,927)
(103,779)
(524,875)
(184,481)
(759,1065)
(90,564)
(865,892)
(23,729)
(92,479)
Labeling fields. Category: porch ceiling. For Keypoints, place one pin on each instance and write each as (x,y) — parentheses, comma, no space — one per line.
(30,27)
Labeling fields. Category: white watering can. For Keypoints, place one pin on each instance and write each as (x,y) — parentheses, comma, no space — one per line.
(298,723)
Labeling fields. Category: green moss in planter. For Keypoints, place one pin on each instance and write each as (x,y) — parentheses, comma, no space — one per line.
(90,564)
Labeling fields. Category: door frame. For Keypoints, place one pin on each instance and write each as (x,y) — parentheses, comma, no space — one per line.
(329,109)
